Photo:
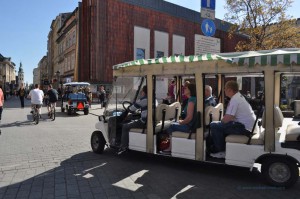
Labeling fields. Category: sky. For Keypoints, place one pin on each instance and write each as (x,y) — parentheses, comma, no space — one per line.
(25,25)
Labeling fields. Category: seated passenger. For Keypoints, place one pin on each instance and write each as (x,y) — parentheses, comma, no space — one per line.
(209,99)
(142,104)
(184,97)
(186,122)
(238,119)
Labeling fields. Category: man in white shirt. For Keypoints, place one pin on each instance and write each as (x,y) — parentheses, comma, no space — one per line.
(36,95)
(238,119)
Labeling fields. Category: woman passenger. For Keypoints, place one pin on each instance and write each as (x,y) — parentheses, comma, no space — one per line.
(186,121)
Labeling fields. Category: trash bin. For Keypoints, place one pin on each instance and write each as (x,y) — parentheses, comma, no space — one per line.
(297,108)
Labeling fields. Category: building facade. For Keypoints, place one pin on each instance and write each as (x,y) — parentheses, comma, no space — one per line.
(53,57)
(67,42)
(7,74)
(116,31)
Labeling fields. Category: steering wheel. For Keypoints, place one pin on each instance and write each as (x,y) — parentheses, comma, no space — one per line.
(126,105)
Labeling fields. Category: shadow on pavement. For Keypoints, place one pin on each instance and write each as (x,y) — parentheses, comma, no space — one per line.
(138,175)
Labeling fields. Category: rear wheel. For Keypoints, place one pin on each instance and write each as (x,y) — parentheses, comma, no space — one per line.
(37,117)
(280,172)
(69,111)
(53,114)
(62,109)
(97,142)
(86,111)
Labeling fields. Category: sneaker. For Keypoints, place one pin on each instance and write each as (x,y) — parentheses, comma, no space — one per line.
(122,150)
(221,154)
(164,152)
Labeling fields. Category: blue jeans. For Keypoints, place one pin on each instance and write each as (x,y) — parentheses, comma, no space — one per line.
(175,126)
(220,130)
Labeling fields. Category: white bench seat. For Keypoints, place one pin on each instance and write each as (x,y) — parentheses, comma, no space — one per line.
(138,136)
(256,139)
(292,132)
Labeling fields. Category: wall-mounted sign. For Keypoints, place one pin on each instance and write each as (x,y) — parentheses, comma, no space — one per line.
(208,27)
(210,4)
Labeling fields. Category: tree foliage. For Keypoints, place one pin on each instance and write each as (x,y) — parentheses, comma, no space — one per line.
(264,23)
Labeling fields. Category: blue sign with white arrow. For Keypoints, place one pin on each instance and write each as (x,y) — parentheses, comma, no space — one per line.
(209,4)
(208,27)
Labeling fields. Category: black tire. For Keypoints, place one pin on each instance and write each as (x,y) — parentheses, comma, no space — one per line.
(280,172)
(69,111)
(62,109)
(53,115)
(37,118)
(97,142)
(86,111)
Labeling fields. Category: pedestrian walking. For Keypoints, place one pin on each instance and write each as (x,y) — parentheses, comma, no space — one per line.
(21,93)
(102,96)
(1,103)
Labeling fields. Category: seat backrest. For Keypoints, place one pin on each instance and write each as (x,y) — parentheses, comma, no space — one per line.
(213,113)
(278,118)
(171,111)
(159,112)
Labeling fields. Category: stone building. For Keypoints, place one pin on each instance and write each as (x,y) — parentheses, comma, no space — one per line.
(67,42)
(7,73)
(20,76)
(53,57)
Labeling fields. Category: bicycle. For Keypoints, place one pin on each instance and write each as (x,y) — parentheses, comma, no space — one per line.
(35,113)
(52,110)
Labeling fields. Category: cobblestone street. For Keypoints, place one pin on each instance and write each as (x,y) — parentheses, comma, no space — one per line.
(54,160)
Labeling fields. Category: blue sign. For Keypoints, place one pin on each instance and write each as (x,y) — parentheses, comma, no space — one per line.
(209,4)
(208,27)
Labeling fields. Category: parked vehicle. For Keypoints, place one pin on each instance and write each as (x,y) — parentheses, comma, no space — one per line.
(273,148)
(74,98)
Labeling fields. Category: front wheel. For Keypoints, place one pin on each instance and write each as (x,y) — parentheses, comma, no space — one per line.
(97,142)
(280,172)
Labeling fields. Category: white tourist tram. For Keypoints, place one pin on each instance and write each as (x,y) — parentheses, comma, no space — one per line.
(275,144)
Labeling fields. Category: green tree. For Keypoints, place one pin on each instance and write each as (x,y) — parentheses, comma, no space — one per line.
(264,23)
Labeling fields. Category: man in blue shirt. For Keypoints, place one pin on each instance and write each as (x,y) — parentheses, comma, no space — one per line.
(209,99)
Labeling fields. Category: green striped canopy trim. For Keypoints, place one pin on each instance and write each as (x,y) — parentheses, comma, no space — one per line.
(250,58)
(272,58)
(174,59)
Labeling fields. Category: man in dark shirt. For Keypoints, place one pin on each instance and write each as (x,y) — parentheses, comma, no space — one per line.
(52,97)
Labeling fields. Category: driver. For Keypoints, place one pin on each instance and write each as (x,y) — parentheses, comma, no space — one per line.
(140,123)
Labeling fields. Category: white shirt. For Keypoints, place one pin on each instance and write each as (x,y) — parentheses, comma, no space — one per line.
(36,96)
(241,110)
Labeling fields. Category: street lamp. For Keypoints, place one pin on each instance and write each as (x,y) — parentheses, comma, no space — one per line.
(59,81)
(57,78)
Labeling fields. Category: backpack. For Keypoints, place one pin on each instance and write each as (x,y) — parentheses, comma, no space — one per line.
(53,95)
(22,92)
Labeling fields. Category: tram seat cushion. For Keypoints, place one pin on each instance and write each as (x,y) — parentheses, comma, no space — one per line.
(256,139)
(169,117)
(180,134)
(292,133)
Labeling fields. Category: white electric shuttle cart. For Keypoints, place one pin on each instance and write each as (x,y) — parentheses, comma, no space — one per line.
(274,146)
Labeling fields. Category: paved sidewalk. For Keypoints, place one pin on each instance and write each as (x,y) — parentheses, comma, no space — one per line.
(54,160)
